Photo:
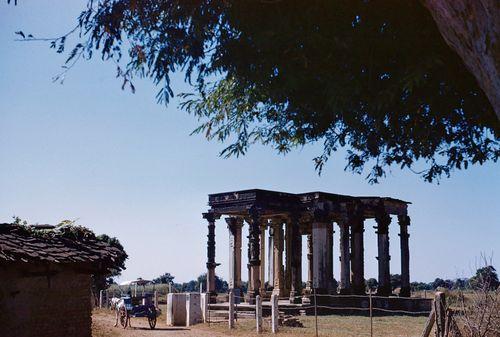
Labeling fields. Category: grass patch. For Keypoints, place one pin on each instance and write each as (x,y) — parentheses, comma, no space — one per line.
(334,326)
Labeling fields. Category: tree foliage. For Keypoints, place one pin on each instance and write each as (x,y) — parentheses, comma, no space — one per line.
(221,285)
(372,284)
(486,277)
(104,280)
(395,281)
(166,278)
(375,78)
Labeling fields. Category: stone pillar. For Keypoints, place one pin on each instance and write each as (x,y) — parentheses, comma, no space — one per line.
(254,255)
(384,277)
(278,257)
(309,263)
(249,268)
(262,289)
(210,217)
(404,222)
(357,254)
(295,260)
(235,230)
(332,289)
(322,275)
(288,257)
(345,259)
(270,257)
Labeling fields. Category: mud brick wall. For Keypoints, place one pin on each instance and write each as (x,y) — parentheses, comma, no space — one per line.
(52,306)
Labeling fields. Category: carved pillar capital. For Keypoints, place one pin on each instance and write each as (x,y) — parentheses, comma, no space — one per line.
(404,220)
(321,216)
(383,220)
(353,217)
(233,223)
(254,213)
(210,216)
(276,222)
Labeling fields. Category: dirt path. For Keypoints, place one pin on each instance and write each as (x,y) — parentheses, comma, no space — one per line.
(103,321)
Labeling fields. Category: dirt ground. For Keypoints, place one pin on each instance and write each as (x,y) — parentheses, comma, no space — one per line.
(103,321)
(333,326)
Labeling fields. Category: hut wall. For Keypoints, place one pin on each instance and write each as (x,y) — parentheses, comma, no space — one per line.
(56,305)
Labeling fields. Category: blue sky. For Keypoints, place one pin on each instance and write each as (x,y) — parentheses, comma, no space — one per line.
(125,166)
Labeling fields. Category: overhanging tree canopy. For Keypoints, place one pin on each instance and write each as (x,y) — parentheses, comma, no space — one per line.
(374,77)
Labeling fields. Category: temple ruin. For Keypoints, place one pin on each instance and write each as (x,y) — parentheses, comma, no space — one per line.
(285,218)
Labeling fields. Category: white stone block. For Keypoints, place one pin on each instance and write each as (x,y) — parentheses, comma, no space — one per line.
(204,300)
(193,309)
(176,309)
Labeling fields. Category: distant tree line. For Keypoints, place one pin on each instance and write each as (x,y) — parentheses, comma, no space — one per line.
(485,275)
(194,285)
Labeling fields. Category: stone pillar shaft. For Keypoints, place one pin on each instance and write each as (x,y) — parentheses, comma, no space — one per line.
(254,258)
(357,255)
(345,261)
(322,275)
(278,258)
(295,260)
(309,262)
(262,276)
(235,232)
(332,289)
(211,264)
(270,257)
(384,277)
(288,257)
(404,222)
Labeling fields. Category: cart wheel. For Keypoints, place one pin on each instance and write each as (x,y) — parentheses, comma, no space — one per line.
(123,317)
(152,318)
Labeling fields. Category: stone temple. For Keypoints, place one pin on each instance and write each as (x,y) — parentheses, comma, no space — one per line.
(286,217)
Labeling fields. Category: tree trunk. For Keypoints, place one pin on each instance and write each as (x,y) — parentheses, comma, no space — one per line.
(472,29)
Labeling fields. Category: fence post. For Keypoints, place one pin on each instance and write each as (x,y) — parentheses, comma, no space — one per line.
(156,298)
(428,324)
(231,309)
(431,319)
(315,312)
(101,298)
(440,310)
(204,307)
(258,313)
(274,313)
(371,314)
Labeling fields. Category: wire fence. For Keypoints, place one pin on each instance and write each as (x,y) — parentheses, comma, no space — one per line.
(316,310)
